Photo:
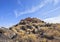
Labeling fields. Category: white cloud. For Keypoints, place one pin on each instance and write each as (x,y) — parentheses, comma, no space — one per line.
(35,8)
(56,2)
(32,9)
(51,11)
(53,20)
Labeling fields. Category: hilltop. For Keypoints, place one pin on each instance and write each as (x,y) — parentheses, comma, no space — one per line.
(31,30)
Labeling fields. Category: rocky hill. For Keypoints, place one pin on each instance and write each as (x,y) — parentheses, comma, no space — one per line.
(31,30)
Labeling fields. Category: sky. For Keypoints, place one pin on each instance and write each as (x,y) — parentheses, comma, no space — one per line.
(12,11)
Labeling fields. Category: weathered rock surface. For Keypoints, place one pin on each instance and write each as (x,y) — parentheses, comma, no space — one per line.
(31,30)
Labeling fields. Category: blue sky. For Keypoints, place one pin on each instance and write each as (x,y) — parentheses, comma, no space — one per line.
(12,11)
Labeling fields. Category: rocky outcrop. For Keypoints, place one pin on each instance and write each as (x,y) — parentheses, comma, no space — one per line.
(31,30)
